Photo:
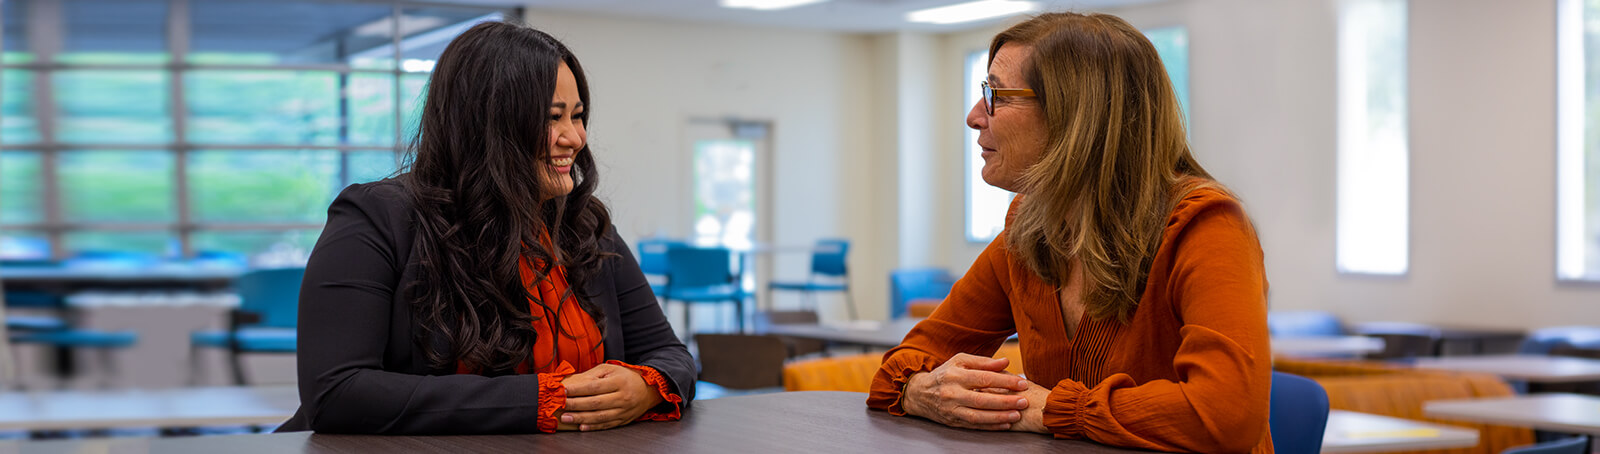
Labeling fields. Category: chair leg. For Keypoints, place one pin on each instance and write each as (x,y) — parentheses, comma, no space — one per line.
(688,321)
(850,301)
(194,365)
(236,363)
(108,368)
(738,306)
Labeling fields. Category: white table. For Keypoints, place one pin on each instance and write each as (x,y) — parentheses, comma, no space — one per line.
(1351,432)
(1555,412)
(889,334)
(1530,368)
(861,332)
(1324,346)
(183,407)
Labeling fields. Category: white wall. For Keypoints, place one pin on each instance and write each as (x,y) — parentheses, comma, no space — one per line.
(650,77)
(1482,106)
(857,157)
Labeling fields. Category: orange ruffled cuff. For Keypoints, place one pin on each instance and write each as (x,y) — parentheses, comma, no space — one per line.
(552,396)
(899,369)
(654,378)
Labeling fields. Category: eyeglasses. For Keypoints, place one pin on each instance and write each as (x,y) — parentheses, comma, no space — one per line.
(989,93)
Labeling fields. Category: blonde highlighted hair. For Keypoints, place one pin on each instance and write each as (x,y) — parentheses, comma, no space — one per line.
(1115,163)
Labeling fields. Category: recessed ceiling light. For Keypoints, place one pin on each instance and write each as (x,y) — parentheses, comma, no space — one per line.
(971,11)
(766,4)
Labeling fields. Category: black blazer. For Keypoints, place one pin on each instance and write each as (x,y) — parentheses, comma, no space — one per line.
(360,369)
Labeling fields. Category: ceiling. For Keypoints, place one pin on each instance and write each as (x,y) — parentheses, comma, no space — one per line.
(838,15)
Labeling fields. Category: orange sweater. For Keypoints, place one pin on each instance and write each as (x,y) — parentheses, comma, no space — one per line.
(1191,371)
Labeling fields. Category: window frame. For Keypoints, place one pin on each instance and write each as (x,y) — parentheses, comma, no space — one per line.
(45,36)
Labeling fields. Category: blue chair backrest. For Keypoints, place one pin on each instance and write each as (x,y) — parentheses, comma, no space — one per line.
(111,259)
(829,257)
(691,266)
(273,293)
(1542,341)
(1564,446)
(1304,324)
(1299,413)
(653,255)
(916,283)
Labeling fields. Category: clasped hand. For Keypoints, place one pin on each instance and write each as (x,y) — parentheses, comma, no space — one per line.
(976,392)
(604,397)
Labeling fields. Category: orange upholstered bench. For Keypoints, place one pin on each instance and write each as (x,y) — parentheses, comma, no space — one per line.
(1399,391)
(854,372)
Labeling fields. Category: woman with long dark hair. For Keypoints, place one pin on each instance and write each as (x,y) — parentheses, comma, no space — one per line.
(485,290)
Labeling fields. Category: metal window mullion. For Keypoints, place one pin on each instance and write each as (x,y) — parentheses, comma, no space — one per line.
(44,38)
(394,67)
(178,46)
(190,146)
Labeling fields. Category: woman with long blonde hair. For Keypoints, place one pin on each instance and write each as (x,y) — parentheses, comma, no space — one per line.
(1133,280)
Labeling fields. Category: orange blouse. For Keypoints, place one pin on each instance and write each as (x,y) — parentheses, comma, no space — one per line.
(577,346)
(1191,371)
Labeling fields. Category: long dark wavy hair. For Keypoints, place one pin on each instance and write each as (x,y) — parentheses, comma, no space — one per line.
(480,204)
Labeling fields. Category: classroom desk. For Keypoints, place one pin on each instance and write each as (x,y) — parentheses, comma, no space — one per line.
(1529,368)
(179,407)
(864,333)
(69,278)
(1353,432)
(1324,346)
(1555,412)
(821,421)
(1478,339)
(889,334)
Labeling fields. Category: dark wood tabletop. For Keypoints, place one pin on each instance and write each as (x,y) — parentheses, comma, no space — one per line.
(819,422)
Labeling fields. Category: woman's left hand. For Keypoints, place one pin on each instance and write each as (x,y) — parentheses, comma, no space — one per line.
(1033,417)
(607,396)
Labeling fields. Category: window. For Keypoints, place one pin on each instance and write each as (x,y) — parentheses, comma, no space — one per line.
(274,106)
(986,205)
(1172,43)
(1373,180)
(1578,140)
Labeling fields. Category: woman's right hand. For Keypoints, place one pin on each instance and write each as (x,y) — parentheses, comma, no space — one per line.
(962,393)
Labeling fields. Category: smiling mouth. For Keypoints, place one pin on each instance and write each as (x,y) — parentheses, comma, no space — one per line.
(563,161)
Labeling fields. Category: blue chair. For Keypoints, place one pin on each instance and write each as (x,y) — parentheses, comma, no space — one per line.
(1298,415)
(1542,341)
(111,259)
(827,260)
(265,322)
(47,301)
(909,284)
(653,260)
(1304,324)
(103,342)
(1578,445)
(702,275)
(1545,341)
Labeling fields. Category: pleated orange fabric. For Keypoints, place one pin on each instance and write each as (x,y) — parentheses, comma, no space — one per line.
(1191,371)
(569,342)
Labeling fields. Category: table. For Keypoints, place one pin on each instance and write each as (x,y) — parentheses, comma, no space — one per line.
(1350,432)
(1556,412)
(73,277)
(182,407)
(1478,338)
(1530,368)
(819,421)
(1326,345)
(870,333)
(866,333)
